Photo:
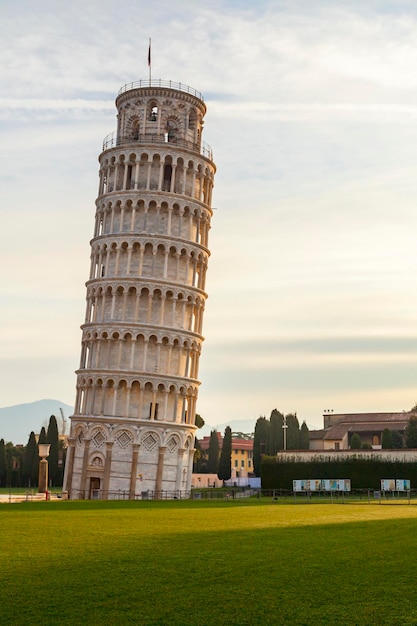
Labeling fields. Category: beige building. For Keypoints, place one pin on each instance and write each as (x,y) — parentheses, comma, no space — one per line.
(134,421)
(241,457)
(339,428)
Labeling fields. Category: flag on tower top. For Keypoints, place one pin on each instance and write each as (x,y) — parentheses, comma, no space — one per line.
(149,54)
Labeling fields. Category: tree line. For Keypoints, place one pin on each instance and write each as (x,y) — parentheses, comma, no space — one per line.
(269,437)
(19,465)
(214,460)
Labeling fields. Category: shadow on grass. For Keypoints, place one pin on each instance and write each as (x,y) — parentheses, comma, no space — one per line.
(115,569)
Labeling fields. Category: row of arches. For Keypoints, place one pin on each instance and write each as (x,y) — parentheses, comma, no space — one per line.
(153,171)
(169,129)
(126,303)
(155,306)
(98,436)
(151,400)
(140,353)
(149,259)
(185,222)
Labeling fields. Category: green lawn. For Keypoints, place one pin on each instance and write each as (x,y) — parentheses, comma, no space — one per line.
(205,563)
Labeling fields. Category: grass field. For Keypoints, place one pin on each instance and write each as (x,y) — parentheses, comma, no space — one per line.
(205,563)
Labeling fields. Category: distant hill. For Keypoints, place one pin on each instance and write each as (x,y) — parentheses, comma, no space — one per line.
(237,426)
(17,422)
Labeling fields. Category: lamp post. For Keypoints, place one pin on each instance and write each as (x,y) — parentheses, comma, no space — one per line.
(284,427)
(43,467)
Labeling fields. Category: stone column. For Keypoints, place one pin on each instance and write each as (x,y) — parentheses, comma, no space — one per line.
(107,469)
(160,469)
(83,481)
(122,219)
(69,465)
(135,456)
(190,468)
(180,463)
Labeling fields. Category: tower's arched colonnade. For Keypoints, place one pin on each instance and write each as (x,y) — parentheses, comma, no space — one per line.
(134,420)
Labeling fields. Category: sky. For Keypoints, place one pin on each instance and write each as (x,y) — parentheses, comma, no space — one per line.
(312,118)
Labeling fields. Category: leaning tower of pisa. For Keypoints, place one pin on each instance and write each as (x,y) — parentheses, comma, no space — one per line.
(133,426)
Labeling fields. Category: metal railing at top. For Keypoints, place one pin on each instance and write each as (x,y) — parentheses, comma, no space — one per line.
(113,140)
(158,82)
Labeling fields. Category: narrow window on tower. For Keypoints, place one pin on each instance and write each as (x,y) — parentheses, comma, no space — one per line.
(167,177)
(129,177)
(172,130)
(135,132)
(191,120)
(153,112)
(155,416)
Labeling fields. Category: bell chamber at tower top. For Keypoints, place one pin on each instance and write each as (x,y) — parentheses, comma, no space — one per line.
(160,112)
(158,143)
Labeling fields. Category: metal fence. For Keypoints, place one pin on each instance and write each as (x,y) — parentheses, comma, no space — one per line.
(159,83)
(229,494)
(100,494)
(113,140)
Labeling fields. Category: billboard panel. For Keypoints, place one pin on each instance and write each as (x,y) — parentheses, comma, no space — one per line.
(402,485)
(330,484)
(314,484)
(336,484)
(388,484)
(299,485)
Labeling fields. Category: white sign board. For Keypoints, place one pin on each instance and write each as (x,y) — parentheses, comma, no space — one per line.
(402,485)
(307,485)
(317,484)
(336,484)
(299,485)
(314,484)
(388,484)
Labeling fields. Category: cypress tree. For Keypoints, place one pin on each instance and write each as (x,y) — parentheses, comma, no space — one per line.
(260,441)
(293,432)
(397,439)
(36,460)
(411,433)
(30,454)
(304,439)
(213,453)
(53,439)
(355,442)
(200,458)
(387,443)
(42,436)
(3,464)
(276,434)
(225,462)
(14,456)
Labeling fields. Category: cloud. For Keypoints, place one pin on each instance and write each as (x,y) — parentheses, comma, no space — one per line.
(25,109)
(290,111)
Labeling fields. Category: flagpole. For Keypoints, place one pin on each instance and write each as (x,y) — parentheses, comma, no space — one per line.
(149,62)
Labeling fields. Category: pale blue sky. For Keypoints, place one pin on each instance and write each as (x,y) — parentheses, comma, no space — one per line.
(312,116)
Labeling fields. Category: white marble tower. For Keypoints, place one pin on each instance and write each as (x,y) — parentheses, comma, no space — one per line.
(134,420)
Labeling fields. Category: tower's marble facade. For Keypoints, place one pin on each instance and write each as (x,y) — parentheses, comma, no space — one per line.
(134,419)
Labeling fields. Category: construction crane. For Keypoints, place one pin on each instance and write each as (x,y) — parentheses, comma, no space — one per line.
(64,421)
